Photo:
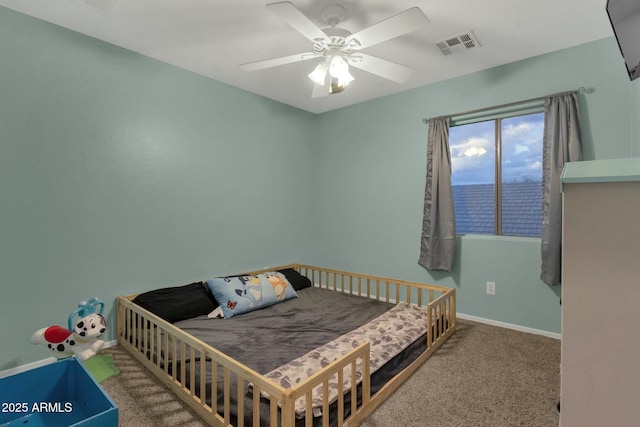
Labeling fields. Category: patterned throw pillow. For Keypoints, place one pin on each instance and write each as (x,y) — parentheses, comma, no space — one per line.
(241,294)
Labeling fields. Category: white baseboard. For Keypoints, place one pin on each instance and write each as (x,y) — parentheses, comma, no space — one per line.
(111,343)
(43,362)
(509,326)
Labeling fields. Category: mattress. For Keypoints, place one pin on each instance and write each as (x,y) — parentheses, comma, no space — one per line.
(268,338)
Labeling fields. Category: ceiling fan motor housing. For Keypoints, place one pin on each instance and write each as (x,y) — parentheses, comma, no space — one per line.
(336,41)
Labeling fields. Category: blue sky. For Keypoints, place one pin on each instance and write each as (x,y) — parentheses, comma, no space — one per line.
(473,150)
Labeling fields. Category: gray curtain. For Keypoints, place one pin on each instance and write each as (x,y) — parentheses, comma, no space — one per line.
(437,248)
(562,143)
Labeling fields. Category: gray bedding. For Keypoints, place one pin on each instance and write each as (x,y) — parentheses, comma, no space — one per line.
(268,338)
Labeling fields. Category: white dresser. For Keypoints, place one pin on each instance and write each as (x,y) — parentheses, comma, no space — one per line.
(600,372)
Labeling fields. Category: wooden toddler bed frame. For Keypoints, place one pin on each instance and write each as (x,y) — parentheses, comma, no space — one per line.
(150,339)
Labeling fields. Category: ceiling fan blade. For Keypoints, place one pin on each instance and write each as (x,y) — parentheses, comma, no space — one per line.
(320,91)
(381,67)
(292,16)
(274,62)
(403,23)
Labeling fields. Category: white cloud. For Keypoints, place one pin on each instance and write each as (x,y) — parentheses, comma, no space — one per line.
(469,152)
(475,151)
(518,130)
(474,144)
(525,133)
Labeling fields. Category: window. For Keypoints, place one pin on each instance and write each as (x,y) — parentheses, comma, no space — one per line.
(497,175)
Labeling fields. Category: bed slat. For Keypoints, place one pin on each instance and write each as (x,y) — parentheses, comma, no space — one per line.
(227,396)
(325,403)
(273,411)
(204,362)
(256,405)
(340,397)
(240,402)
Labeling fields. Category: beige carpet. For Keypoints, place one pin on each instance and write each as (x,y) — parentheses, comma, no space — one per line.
(482,376)
(143,401)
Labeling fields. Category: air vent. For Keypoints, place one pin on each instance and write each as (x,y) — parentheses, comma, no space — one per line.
(458,43)
(101,5)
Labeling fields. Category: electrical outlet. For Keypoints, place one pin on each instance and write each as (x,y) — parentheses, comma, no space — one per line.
(491,288)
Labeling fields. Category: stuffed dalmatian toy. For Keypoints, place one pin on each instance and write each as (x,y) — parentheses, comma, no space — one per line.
(81,339)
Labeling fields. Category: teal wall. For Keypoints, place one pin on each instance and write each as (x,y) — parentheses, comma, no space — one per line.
(370,177)
(634,118)
(120,174)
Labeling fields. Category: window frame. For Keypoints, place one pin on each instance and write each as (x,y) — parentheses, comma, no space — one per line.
(497,114)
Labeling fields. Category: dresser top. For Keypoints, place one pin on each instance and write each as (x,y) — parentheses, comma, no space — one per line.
(607,170)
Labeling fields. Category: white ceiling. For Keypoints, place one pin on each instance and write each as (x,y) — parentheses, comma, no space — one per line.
(213,37)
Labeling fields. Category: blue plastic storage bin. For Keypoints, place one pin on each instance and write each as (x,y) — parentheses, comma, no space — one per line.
(60,394)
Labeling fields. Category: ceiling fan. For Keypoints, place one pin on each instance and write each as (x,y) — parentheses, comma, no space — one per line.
(339,48)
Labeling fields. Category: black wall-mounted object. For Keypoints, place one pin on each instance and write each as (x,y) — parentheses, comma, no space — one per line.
(624,16)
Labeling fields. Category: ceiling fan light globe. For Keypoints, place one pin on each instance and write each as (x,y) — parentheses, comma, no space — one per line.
(338,67)
(345,78)
(319,74)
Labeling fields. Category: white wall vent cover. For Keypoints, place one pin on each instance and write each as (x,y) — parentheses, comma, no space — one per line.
(458,43)
(101,5)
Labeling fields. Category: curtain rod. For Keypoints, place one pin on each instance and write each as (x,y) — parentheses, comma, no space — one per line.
(581,89)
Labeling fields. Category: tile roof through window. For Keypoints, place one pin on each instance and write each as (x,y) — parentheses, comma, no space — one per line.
(521,209)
